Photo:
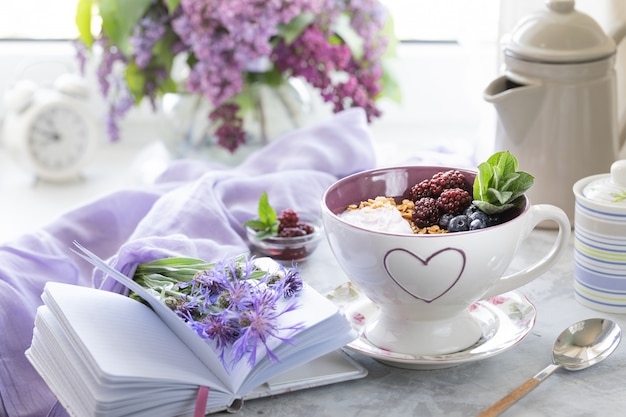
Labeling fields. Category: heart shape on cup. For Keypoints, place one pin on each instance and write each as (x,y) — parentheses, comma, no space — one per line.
(406,268)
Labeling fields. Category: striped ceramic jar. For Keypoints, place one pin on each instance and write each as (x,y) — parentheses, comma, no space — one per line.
(600,244)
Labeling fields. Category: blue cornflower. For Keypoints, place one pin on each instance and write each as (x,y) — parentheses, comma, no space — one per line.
(291,283)
(222,330)
(259,323)
(232,303)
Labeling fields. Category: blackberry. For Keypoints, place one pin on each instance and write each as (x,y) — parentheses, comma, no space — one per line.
(447,179)
(420,190)
(459,223)
(453,200)
(308,229)
(288,218)
(425,212)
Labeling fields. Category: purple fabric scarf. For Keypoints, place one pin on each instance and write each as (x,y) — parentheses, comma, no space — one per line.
(193,210)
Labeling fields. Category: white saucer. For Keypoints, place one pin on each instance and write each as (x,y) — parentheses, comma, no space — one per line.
(505,320)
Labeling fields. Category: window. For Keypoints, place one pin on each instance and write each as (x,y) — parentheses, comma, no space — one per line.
(38,19)
(425,20)
(415,20)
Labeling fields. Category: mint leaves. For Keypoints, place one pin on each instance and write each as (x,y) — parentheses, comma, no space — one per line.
(267,223)
(499,183)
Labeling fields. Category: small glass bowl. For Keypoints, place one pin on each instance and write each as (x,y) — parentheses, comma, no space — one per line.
(288,248)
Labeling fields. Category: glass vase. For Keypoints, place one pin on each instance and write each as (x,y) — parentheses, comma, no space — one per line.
(189,133)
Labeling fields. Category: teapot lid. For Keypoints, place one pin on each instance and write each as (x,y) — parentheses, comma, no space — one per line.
(559,34)
(611,188)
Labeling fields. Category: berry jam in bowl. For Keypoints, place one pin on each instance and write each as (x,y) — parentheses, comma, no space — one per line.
(295,243)
(424,279)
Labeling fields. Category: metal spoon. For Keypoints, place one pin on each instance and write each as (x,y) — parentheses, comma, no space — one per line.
(579,346)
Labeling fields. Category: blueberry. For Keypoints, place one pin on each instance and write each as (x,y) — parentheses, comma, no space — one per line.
(471,209)
(478,223)
(480,216)
(495,219)
(459,223)
(444,220)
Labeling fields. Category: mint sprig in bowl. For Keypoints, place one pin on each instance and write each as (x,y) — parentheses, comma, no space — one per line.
(498,185)
(290,236)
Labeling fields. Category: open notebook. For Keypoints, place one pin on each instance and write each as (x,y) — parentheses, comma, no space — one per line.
(104,354)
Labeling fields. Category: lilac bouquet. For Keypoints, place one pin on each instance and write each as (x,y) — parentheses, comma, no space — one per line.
(225,46)
(232,303)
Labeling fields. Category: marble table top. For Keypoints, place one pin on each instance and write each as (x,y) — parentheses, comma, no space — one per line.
(469,388)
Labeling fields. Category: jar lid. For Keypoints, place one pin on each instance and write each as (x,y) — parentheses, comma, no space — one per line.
(559,34)
(610,189)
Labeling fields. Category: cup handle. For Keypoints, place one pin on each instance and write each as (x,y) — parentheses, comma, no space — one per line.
(537,214)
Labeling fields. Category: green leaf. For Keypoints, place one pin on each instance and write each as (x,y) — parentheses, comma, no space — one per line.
(266,212)
(390,86)
(489,208)
(389,34)
(267,223)
(255,224)
(83,21)
(508,181)
(482,181)
(291,31)
(119,17)
(499,197)
(172,5)
(272,77)
(136,80)
(524,182)
(498,183)
(344,30)
(175,261)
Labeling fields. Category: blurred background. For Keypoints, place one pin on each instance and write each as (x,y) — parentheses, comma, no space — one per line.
(449,51)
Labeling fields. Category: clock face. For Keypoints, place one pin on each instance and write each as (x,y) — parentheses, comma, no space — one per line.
(58,137)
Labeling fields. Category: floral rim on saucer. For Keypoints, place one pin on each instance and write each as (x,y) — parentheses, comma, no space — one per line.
(505,320)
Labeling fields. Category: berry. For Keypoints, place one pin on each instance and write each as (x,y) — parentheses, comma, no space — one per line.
(444,220)
(420,190)
(308,229)
(480,216)
(447,179)
(291,232)
(289,225)
(478,223)
(425,212)
(459,223)
(454,200)
(495,219)
(288,218)
(472,208)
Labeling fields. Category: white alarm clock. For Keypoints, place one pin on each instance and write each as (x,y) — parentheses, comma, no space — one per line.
(52,131)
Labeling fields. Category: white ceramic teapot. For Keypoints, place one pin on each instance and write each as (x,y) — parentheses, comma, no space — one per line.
(556,102)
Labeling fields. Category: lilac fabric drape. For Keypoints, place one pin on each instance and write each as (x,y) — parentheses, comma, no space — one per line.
(193,210)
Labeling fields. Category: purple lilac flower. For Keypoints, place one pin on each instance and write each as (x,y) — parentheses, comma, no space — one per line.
(230,133)
(146,33)
(230,35)
(81,55)
(222,38)
(314,58)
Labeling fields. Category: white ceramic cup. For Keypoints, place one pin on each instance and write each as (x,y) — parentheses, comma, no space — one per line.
(600,240)
(424,285)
